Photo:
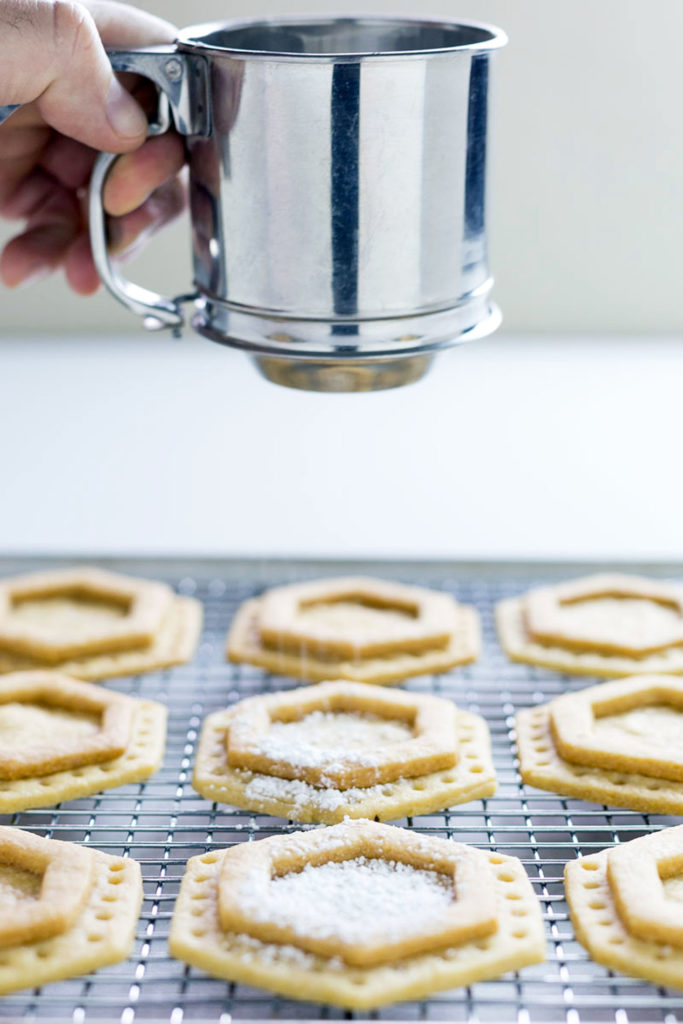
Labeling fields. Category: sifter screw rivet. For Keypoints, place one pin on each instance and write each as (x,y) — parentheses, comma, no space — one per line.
(173,69)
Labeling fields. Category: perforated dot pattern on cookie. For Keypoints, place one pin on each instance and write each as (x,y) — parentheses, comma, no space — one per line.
(142,757)
(100,934)
(543,767)
(600,928)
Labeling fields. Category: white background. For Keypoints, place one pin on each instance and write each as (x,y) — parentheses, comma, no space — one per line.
(511,448)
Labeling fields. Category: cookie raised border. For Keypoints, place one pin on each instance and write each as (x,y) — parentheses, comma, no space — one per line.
(66,874)
(244,645)
(62,692)
(431,623)
(572,720)
(147,602)
(247,869)
(635,871)
(432,747)
(541,766)
(143,757)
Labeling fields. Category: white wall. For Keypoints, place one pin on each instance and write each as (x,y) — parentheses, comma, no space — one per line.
(546,448)
(587,168)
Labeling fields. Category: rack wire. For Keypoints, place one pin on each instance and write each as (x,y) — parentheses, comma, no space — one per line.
(163,822)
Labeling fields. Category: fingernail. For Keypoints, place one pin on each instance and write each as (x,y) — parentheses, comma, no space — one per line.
(123,113)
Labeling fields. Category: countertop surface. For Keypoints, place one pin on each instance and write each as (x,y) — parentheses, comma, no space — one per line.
(513,448)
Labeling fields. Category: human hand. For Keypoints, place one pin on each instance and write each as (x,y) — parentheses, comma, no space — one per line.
(54,64)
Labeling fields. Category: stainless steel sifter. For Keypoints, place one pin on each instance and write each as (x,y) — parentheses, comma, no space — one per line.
(337,189)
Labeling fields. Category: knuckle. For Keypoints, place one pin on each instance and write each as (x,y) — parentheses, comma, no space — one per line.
(72,26)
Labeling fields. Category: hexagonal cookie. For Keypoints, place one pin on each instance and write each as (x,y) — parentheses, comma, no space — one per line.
(129,625)
(616,743)
(606,625)
(61,738)
(626,905)
(66,909)
(358,915)
(353,628)
(254,741)
(291,739)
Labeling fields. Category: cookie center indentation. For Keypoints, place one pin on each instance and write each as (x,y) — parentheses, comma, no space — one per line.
(673,887)
(327,735)
(658,723)
(29,724)
(360,900)
(357,616)
(67,612)
(620,617)
(17,885)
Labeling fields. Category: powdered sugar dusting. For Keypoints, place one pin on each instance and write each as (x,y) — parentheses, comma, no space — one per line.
(268,787)
(368,900)
(322,738)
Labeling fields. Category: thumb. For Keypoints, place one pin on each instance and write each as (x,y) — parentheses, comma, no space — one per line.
(55,56)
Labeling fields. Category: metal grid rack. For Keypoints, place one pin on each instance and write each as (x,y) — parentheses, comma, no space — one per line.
(163,822)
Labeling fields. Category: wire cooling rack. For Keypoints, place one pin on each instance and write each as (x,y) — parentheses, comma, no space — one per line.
(163,822)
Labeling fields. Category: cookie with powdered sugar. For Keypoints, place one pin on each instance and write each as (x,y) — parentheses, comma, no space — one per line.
(339,749)
(358,915)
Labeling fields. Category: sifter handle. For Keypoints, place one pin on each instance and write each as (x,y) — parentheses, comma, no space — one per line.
(179,80)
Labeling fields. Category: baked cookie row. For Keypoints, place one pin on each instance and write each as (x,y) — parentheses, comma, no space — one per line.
(338,749)
(359,914)
(95,624)
(314,754)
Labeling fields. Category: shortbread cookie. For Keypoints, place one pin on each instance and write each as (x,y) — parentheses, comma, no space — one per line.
(626,906)
(605,625)
(617,743)
(66,909)
(61,738)
(321,753)
(364,630)
(358,915)
(94,624)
